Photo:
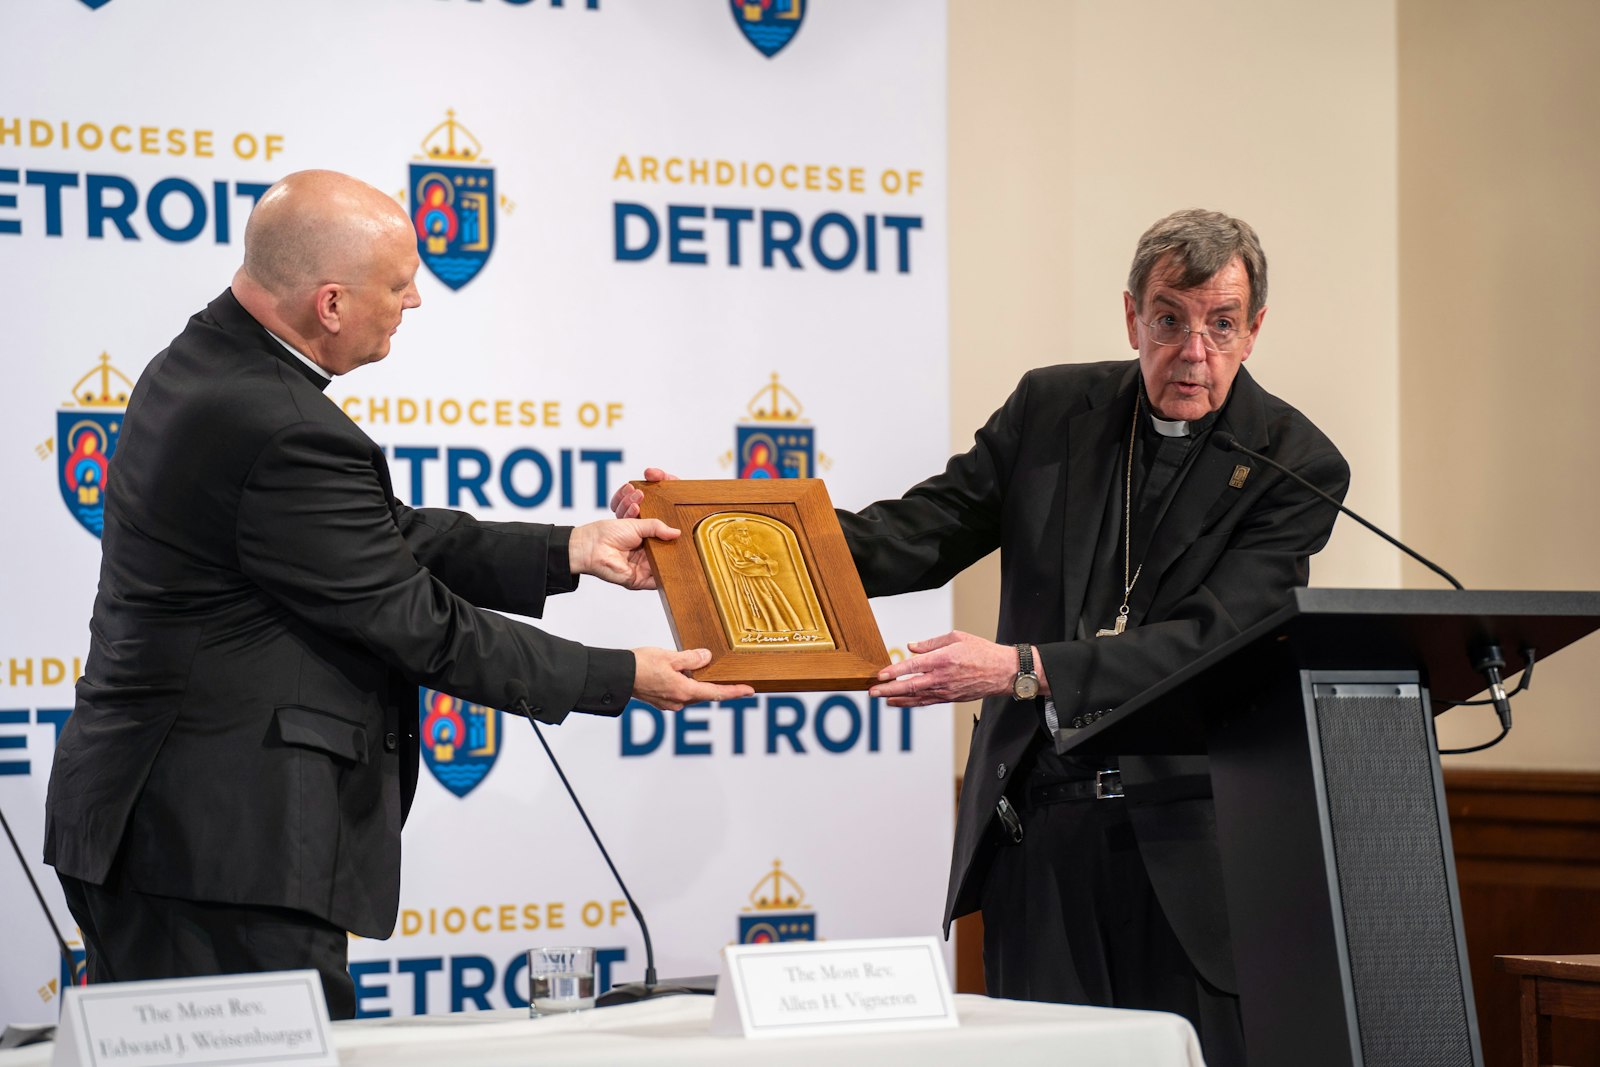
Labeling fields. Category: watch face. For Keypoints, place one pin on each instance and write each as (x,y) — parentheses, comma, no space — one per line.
(1025,687)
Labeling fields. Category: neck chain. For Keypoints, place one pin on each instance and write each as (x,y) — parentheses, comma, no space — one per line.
(1127,533)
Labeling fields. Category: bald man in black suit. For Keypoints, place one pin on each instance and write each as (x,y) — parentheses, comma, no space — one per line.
(228,793)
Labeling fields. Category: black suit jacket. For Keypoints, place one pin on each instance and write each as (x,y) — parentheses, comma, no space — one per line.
(246,728)
(1035,485)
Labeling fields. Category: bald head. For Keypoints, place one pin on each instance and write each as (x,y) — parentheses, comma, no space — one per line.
(316,226)
(329,266)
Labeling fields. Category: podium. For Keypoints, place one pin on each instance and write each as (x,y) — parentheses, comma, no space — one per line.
(1335,843)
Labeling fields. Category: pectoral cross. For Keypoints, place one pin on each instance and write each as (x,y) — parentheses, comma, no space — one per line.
(1116,628)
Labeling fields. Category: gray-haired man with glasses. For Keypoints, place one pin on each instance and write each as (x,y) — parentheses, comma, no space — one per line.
(1127,550)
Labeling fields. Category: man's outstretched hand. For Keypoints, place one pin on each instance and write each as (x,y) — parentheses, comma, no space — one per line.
(952,667)
(613,550)
(660,678)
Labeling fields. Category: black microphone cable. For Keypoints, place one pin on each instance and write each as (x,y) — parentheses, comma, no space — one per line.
(1226,442)
(521,705)
(1488,660)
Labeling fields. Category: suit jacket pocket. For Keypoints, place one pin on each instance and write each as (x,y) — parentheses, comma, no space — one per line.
(313,728)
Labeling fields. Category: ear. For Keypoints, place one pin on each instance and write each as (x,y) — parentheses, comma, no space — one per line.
(1130,312)
(329,299)
(1255,331)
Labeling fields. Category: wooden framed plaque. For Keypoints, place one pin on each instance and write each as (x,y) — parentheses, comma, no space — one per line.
(762,577)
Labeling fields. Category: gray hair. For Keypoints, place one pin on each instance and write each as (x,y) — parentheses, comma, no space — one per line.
(1200,243)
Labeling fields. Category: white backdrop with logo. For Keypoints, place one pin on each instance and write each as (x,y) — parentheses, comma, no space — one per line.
(698,234)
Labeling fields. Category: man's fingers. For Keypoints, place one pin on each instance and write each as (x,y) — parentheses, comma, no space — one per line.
(685,690)
(626,496)
(655,528)
(917,699)
(900,687)
(928,645)
(626,500)
(707,691)
(922,664)
(689,659)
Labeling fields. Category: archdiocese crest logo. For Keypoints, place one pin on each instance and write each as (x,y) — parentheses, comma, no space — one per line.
(776,442)
(460,740)
(452,204)
(776,904)
(87,428)
(95,5)
(769,24)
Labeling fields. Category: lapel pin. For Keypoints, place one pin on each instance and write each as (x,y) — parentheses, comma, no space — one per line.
(1239,475)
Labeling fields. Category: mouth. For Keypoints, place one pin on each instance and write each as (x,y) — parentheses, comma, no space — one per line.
(1188,388)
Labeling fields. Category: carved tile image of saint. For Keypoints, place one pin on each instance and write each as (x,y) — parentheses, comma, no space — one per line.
(762,588)
(761,604)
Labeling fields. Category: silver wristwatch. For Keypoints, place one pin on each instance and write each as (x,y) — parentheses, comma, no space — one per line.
(1025,686)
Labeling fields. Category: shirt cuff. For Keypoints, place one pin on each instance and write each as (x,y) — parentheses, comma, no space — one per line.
(558,576)
(608,682)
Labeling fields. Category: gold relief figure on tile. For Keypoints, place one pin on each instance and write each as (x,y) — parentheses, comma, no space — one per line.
(760,584)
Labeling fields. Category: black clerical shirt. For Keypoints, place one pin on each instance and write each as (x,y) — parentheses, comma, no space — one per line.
(1160,462)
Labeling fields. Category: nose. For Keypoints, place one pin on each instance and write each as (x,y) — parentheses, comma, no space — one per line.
(413,297)
(1194,348)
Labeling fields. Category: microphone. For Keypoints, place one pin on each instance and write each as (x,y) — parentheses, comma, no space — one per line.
(74,968)
(627,992)
(1488,660)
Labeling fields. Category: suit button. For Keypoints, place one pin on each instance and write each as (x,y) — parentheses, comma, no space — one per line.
(607,698)
(391,742)
(1000,771)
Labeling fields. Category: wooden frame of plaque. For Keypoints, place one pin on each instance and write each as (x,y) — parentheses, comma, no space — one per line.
(762,577)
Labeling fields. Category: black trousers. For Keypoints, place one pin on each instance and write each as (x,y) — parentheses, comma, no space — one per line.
(132,936)
(1069,916)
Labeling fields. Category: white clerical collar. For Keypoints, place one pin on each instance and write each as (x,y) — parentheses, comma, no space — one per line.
(1169,427)
(295,352)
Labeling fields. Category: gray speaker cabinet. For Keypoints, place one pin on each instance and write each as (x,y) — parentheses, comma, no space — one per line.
(1342,899)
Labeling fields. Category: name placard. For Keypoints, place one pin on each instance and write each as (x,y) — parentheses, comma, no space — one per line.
(247,1018)
(833,987)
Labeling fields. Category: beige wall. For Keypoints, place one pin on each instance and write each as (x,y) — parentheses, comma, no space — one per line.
(1073,126)
(1499,271)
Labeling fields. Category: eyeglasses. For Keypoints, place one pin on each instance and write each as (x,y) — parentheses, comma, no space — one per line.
(1220,336)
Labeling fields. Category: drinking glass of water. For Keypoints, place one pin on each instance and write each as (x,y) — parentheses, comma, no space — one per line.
(560,980)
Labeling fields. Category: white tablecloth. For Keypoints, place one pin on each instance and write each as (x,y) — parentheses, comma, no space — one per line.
(676,1030)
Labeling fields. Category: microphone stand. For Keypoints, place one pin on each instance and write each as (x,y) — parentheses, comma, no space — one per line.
(627,992)
(1487,660)
(74,968)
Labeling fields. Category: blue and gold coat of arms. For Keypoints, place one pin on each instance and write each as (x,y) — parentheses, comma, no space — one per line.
(775,443)
(452,204)
(779,913)
(86,435)
(460,740)
(769,25)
